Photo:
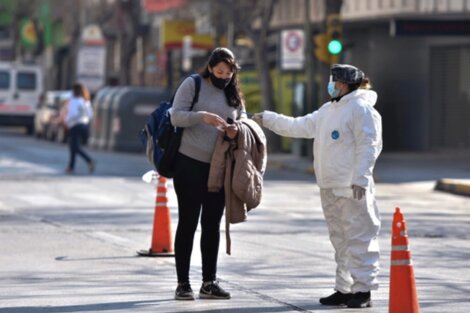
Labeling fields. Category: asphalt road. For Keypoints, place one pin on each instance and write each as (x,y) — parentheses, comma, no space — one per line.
(69,242)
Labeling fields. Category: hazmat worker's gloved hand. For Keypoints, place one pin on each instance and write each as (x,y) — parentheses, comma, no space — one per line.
(358,192)
(258,118)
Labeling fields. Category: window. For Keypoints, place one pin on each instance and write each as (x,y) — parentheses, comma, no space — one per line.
(26,80)
(4,80)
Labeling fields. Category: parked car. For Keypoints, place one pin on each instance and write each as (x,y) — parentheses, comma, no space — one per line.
(20,90)
(51,114)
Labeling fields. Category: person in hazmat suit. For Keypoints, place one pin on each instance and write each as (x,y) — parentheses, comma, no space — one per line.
(347,134)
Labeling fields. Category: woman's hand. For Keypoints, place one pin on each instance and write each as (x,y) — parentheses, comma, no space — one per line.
(231,131)
(214,120)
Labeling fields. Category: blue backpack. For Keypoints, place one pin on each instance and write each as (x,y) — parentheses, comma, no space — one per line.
(161,139)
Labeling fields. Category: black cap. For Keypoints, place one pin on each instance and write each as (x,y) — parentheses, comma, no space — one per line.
(346,73)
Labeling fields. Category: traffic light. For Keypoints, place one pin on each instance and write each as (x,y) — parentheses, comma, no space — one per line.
(334,31)
(320,48)
(329,45)
(335,46)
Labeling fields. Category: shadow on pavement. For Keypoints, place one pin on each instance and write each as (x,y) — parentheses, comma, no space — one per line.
(95,307)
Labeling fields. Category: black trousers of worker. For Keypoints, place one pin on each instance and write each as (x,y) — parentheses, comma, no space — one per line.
(190,181)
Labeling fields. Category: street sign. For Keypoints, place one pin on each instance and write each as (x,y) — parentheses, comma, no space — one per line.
(292,51)
(91,62)
(91,58)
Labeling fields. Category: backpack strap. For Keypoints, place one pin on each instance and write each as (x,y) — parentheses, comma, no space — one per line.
(197,83)
(197,87)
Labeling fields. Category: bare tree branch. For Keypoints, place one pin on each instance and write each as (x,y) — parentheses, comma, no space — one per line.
(247,13)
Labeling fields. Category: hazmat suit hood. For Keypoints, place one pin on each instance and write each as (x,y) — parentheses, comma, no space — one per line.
(368,96)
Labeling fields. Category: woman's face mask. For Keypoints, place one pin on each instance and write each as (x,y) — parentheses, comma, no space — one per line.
(220,83)
(332,91)
(221,75)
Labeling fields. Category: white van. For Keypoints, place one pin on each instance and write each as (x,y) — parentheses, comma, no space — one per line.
(20,88)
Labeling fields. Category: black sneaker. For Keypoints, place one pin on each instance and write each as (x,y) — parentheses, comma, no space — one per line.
(338,298)
(184,292)
(360,300)
(213,291)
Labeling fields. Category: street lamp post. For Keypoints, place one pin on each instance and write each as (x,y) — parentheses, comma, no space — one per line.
(309,59)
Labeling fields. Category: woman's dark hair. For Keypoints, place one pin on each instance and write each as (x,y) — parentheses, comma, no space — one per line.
(77,90)
(232,91)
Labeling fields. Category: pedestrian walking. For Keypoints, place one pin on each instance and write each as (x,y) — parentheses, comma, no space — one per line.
(347,134)
(79,114)
(219,99)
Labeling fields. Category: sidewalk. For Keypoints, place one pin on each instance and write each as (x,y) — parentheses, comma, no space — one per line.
(450,171)
(456,186)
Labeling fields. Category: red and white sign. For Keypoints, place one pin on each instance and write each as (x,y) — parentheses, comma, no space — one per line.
(91,58)
(292,52)
(155,6)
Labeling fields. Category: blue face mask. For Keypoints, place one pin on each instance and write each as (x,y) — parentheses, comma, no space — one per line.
(332,90)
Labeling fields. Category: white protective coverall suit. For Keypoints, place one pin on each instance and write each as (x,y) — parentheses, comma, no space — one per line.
(348,140)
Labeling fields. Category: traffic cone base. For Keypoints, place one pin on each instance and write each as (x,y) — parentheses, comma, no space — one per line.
(150,253)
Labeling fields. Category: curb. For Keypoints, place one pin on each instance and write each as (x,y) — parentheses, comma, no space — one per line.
(459,187)
(280,165)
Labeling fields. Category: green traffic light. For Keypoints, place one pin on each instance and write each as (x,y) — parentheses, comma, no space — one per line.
(335,46)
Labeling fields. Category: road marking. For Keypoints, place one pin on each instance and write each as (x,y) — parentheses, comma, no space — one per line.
(12,166)
(5,208)
(43,200)
(110,237)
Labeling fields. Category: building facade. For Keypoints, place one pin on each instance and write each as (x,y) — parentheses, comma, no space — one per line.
(417,54)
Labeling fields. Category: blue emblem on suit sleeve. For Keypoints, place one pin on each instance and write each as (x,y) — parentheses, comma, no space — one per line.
(335,134)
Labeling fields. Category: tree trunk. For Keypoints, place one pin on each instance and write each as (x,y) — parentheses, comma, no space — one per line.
(130,32)
(267,100)
(263,69)
(246,13)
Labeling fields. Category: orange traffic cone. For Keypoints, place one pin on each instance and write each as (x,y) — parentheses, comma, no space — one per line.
(403,296)
(161,238)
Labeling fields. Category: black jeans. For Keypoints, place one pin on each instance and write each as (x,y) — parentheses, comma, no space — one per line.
(77,135)
(190,181)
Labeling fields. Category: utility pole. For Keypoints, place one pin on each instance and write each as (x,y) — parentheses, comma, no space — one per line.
(332,9)
(230,26)
(309,88)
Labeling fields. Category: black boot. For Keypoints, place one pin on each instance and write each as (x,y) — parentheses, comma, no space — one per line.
(360,300)
(338,298)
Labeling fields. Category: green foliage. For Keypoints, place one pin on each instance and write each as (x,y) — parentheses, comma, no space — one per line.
(6,12)
(283,88)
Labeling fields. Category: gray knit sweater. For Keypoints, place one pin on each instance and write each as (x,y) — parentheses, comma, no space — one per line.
(198,138)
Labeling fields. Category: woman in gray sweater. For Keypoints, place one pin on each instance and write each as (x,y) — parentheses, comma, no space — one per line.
(220,100)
